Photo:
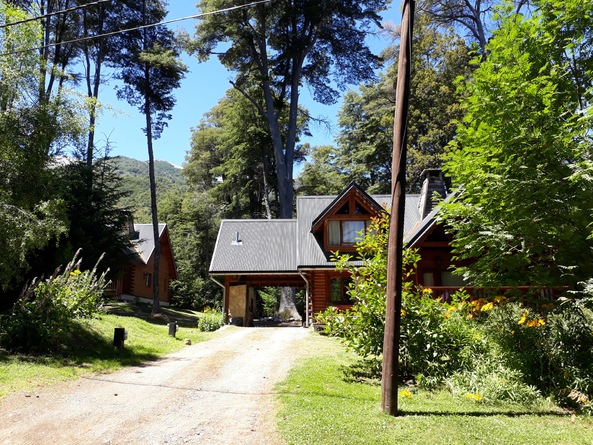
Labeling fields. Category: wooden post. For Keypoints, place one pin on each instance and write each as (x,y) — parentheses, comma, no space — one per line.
(396,225)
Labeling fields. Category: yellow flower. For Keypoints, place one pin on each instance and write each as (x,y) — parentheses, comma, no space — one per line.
(501,299)
(475,397)
(427,290)
(447,314)
(524,317)
(75,273)
(405,393)
(487,307)
(403,312)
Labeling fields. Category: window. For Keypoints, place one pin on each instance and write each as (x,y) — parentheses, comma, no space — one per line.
(339,287)
(345,233)
(148,279)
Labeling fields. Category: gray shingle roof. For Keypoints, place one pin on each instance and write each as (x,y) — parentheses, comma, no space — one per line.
(144,244)
(246,246)
(284,246)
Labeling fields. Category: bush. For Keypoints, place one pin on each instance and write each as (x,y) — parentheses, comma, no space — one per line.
(210,321)
(41,319)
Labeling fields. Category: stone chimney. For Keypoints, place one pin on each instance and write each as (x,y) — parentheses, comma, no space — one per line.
(433,182)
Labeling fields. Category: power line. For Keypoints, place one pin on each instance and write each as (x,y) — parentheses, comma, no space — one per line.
(151,25)
(51,14)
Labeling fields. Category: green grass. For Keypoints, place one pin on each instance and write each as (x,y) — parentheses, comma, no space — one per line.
(318,406)
(91,349)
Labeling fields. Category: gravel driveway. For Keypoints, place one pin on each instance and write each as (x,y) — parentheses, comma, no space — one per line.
(216,392)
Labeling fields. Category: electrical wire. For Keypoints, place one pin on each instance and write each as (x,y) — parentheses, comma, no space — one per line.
(51,14)
(150,25)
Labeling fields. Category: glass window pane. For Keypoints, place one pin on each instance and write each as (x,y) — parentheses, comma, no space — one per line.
(351,230)
(336,290)
(333,229)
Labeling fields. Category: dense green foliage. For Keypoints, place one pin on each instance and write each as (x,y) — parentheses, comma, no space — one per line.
(210,321)
(276,48)
(42,319)
(364,143)
(522,156)
(493,348)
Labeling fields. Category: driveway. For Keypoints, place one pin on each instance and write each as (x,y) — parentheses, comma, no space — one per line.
(216,392)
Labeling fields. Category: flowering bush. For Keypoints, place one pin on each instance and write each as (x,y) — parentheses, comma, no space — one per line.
(210,321)
(41,319)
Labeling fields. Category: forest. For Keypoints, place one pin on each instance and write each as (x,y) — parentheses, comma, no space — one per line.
(501,101)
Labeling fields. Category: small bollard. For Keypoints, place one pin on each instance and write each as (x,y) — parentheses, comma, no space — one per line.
(119,335)
(172,328)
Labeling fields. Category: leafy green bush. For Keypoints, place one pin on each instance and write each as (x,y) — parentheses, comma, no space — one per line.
(41,319)
(550,344)
(210,321)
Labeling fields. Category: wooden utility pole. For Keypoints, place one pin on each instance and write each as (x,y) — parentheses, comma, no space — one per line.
(396,225)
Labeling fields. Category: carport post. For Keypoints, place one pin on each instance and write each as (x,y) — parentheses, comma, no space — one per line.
(306,297)
(225,304)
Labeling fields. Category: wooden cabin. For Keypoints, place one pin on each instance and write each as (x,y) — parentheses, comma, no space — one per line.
(137,280)
(297,252)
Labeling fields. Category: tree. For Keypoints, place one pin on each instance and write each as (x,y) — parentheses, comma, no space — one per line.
(522,156)
(364,144)
(193,223)
(283,44)
(475,17)
(231,159)
(150,71)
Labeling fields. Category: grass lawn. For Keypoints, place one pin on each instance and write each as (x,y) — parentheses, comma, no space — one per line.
(318,407)
(91,349)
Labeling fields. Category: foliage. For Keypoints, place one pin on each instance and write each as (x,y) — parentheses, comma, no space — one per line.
(474,17)
(278,47)
(549,344)
(212,320)
(364,149)
(231,158)
(136,185)
(193,226)
(267,303)
(26,231)
(42,318)
(496,349)
(521,159)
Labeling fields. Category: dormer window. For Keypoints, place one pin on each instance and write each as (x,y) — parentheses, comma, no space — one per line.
(344,222)
(344,232)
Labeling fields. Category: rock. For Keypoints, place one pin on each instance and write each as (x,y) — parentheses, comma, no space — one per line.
(187,341)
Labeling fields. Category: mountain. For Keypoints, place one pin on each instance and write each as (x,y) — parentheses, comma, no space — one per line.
(135,180)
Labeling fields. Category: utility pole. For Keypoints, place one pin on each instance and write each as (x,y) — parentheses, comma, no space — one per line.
(390,373)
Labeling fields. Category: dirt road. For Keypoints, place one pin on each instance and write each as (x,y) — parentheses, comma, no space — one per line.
(216,392)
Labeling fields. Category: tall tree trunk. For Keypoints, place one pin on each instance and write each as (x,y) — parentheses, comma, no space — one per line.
(156,308)
(154,212)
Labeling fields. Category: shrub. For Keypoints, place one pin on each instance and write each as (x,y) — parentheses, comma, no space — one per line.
(210,321)
(41,319)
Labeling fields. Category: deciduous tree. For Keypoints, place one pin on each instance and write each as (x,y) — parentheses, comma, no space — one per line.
(522,157)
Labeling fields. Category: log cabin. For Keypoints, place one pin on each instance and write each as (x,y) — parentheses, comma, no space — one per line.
(250,253)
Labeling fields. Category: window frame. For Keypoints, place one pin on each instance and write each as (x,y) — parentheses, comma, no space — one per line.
(344,281)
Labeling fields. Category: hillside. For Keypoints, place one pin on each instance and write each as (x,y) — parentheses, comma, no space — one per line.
(135,180)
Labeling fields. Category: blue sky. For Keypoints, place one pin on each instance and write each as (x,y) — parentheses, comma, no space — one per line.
(202,88)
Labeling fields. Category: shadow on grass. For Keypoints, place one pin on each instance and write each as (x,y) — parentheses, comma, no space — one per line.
(185,318)
(83,347)
(404,413)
